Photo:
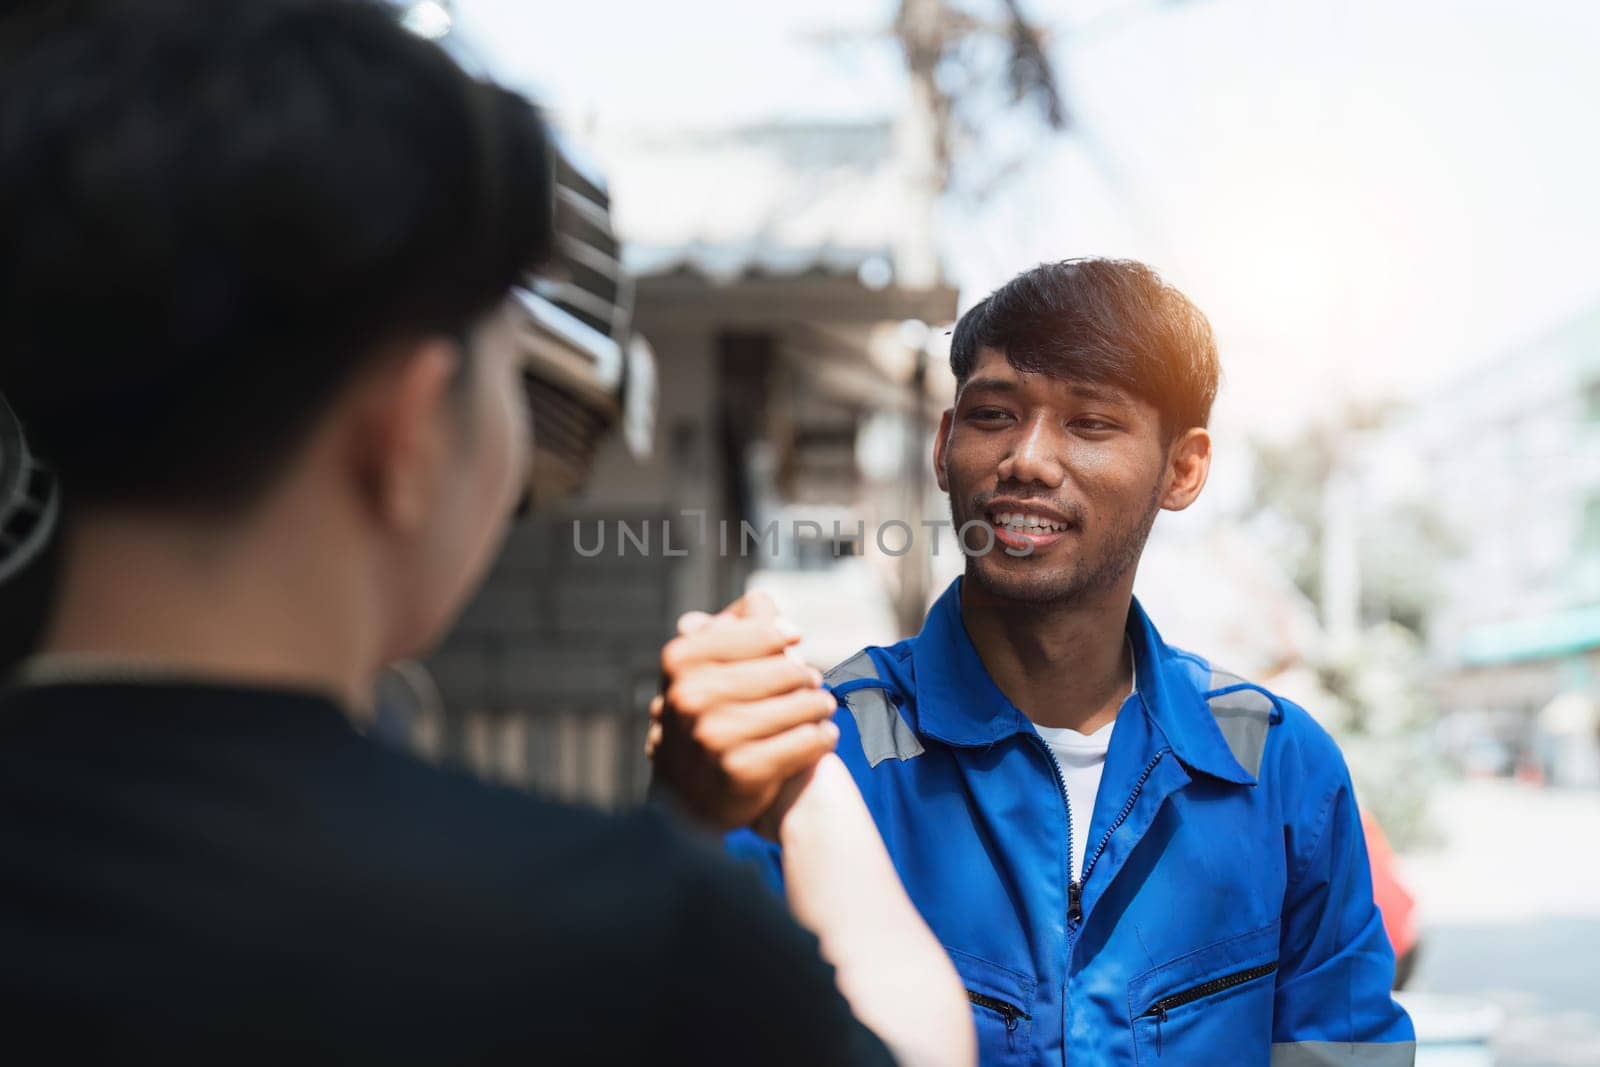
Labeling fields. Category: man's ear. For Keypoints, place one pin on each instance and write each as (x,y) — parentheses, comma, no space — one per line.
(1188,466)
(406,431)
(941,442)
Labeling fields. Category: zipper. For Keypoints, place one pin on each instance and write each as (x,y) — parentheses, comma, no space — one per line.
(1009,1011)
(1075,890)
(1074,887)
(1158,1010)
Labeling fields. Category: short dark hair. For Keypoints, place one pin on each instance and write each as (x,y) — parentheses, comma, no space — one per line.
(214,214)
(1106,321)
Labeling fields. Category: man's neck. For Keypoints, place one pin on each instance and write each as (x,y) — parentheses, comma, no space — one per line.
(261,604)
(1064,665)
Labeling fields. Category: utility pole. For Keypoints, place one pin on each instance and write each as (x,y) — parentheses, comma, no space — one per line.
(927,31)
(923,147)
(916,566)
(922,142)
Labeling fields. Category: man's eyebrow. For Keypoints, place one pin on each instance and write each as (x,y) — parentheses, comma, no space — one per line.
(990,385)
(1104,393)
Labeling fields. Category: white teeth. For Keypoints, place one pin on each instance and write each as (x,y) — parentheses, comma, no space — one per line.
(1022,522)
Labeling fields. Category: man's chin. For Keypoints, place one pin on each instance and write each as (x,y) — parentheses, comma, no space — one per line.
(1009,578)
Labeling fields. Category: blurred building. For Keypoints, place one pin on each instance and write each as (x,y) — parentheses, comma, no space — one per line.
(789,394)
(801,376)
(1509,456)
(1219,592)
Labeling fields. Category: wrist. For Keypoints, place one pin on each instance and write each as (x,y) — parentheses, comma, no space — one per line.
(816,804)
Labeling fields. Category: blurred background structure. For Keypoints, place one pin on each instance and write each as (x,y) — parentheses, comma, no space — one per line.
(770,216)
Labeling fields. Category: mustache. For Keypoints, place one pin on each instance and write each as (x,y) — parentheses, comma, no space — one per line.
(1076,514)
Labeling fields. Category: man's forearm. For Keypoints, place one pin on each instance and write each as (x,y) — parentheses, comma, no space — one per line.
(842,885)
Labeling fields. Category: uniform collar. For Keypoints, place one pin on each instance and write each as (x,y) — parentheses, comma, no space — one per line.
(958,703)
(1177,707)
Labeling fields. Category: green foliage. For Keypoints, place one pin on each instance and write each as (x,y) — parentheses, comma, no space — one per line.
(1376,689)
(1400,546)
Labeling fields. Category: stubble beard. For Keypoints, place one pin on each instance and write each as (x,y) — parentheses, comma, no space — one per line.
(996,574)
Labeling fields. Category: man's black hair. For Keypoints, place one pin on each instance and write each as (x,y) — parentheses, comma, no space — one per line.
(214,214)
(1102,321)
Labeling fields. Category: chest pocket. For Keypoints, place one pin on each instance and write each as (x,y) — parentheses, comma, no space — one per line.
(1002,1008)
(1210,1006)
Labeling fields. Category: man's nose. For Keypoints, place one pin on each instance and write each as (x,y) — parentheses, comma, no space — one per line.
(1036,457)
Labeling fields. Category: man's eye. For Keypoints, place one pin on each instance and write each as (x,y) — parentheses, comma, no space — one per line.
(988,415)
(1093,425)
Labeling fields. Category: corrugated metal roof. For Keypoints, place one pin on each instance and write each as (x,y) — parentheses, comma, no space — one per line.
(724,263)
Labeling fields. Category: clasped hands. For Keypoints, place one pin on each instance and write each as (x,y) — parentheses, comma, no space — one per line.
(741,721)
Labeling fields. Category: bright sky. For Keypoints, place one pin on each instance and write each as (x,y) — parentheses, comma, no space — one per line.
(1367,196)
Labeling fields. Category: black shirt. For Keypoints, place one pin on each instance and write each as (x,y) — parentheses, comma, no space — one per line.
(199,873)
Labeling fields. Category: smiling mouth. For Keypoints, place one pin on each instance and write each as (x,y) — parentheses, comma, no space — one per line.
(1026,522)
(1024,530)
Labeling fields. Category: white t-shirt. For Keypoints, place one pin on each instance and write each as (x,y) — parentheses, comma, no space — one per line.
(1082,758)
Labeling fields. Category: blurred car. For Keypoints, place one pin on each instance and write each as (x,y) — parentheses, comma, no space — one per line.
(1395,901)
(1482,743)
(1487,757)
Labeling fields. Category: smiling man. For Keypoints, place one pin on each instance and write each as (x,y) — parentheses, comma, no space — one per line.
(1131,855)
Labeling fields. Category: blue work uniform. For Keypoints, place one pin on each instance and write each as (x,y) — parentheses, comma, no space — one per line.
(1224,914)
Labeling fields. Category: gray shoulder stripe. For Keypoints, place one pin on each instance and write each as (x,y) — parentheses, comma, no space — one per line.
(884,733)
(859,665)
(1244,717)
(1221,679)
(1344,1054)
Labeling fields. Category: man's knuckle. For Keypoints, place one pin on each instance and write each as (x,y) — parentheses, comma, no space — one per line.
(741,769)
(802,705)
(710,733)
(687,697)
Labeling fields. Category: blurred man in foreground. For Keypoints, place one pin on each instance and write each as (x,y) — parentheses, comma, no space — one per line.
(253,291)
(1131,856)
